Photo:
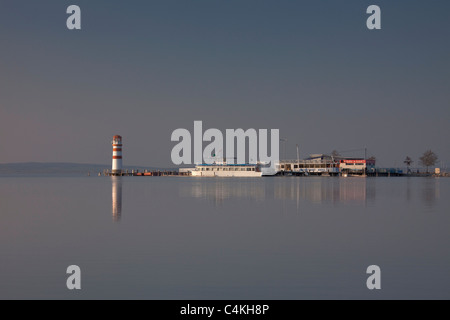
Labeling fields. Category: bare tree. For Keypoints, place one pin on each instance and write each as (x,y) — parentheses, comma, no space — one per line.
(408,161)
(428,159)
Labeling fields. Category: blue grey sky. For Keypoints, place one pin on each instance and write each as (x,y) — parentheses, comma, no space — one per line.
(145,68)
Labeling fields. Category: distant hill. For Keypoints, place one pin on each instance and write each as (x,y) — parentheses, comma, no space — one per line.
(48,168)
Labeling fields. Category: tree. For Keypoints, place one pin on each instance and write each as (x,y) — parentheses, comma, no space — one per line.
(428,159)
(408,161)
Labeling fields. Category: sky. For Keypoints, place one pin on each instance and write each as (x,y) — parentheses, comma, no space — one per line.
(142,69)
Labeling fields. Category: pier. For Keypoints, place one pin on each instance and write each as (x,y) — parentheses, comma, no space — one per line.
(145,173)
(378,172)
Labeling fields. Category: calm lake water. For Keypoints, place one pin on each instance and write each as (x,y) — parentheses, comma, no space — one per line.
(212,238)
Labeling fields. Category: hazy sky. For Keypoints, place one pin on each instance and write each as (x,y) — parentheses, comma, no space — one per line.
(145,68)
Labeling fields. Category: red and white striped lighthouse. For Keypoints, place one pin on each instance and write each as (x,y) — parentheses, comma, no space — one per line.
(117,155)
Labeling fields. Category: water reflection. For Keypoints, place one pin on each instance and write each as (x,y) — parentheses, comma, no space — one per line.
(116,198)
(408,189)
(430,191)
(316,190)
(219,190)
(327,190)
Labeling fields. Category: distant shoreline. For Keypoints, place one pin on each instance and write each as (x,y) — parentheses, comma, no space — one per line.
(53,168)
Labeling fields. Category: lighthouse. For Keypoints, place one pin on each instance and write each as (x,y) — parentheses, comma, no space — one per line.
(117,156)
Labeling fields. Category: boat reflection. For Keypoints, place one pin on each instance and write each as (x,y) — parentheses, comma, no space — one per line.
(116,198)
(221,189)
(311,189)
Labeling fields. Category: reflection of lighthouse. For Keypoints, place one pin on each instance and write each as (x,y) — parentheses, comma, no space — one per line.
(117,155)
(116,198)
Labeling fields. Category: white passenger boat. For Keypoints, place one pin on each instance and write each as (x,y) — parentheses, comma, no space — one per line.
(227,170)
